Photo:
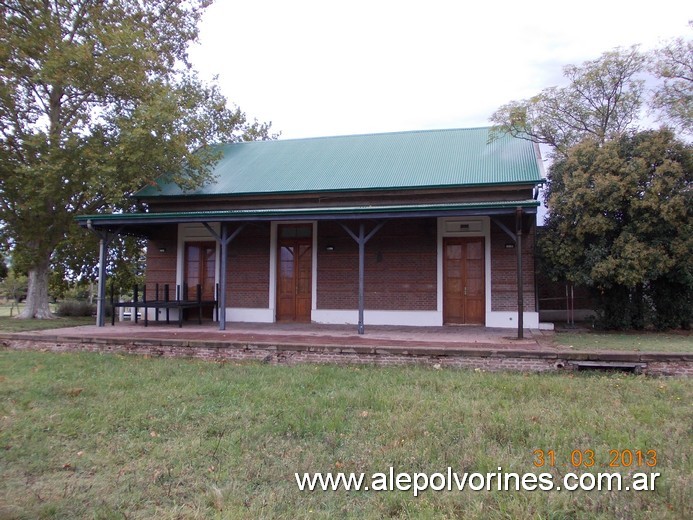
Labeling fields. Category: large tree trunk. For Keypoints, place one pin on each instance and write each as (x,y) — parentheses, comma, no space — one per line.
(36,305)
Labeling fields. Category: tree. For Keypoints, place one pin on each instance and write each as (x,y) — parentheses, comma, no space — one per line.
(3,268)
(616,198)
(125,261)
(621,221)
(97,99)
(673,64)
(13,287)
(602,99)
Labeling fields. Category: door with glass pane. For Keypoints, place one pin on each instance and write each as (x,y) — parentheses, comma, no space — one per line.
(294,272)
(200,268)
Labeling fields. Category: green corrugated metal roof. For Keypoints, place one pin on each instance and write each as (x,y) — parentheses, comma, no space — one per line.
(404,160)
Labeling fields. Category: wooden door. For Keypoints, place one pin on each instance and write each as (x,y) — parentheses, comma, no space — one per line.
(464,299)
(200,268)
(294,272)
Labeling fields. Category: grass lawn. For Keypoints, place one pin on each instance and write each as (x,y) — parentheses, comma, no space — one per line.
(107,436)
(10,324)
(676,341)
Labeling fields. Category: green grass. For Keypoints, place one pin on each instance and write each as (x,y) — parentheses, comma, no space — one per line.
(6,309)
(107,436)
(679,341)
(8,324)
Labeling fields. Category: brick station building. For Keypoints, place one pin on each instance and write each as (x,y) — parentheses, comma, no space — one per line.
(422,228)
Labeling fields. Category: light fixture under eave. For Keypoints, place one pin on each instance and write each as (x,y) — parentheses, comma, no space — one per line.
(329,248)
(162,250)
(509,245)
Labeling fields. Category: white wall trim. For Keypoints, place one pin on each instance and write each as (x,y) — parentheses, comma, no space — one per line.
(496,319)
(172,314)
(238,314)
(377,317)
(505,319)
(273,271)
(314,274)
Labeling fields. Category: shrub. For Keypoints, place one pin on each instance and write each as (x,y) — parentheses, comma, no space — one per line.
(674,304)
(74,308)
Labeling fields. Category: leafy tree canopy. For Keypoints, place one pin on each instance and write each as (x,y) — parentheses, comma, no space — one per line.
(602,99)
(621,215)
(97,99)
(619,201)
(673,64)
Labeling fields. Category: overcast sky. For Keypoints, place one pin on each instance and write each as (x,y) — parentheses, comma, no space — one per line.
(318,68)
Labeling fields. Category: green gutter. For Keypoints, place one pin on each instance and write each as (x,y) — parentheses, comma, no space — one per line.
(262,214)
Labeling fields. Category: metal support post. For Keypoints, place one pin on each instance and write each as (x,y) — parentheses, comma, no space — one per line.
(222,275)
(520,288)
(101,300)
(361,239)
(223,240)
(362,273)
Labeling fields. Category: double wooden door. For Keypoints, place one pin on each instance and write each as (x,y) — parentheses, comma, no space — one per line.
(294,272)
(464,301)
(200,269)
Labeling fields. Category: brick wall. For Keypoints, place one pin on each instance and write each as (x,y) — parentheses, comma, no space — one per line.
(161,267)
(247,271)
(487,360)
(504,270)
(400,266)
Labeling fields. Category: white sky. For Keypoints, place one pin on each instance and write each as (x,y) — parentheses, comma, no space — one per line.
(318,68)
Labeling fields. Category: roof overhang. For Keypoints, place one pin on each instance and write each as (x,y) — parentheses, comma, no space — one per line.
(186,197)
(143,223)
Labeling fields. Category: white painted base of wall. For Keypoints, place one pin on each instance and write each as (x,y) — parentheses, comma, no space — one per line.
(249,315)
(351,317)
(545,326)
(508,320)
(407,318)
(151,314)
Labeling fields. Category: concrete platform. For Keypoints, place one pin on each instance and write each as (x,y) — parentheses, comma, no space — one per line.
(477,348)
(311,334)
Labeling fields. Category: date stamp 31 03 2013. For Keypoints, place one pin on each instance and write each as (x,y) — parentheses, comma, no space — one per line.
(587,458)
